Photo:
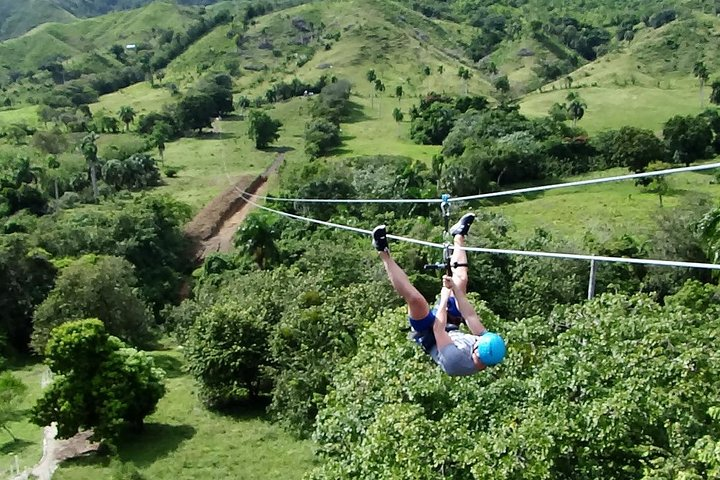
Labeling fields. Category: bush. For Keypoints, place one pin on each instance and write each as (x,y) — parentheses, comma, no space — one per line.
(320,136)
(101,384)
(95,287)
(228,352)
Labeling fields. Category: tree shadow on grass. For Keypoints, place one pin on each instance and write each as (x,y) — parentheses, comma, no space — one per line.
(172,365)
(13,446)
(279,149)
(215,136)
(247,409)
(156,441)
(355,113)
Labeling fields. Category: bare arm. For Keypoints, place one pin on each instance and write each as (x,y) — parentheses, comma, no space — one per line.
(442,338)
(466,309)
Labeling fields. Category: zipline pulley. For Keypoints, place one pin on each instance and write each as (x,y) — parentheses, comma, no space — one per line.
(447,246)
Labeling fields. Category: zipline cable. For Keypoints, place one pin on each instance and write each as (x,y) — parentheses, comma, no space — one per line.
(591,181)
(337,225)
(503,193)
(531,253)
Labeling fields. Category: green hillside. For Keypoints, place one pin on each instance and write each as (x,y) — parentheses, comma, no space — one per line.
(18,17)
(50,41)
(372,34)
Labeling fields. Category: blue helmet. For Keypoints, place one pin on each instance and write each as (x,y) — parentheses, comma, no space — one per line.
(491,349)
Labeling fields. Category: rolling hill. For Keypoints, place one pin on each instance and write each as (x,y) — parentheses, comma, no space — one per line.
(18,17)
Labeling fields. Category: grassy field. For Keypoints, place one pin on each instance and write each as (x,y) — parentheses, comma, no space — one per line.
(183,440)
(375,132)
(608,107)
(210,163)
(28,446)
(605,210)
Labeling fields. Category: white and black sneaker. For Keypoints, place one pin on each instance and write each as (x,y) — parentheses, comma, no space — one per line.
(379,236)
(463,226)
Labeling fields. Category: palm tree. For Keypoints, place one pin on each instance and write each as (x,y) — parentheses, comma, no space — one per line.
(398,116)
(257,237)
(371,77)
(379,87)
(89,149)
(465,74)
(575,107)
(127,115)
(701,72)
(54,164)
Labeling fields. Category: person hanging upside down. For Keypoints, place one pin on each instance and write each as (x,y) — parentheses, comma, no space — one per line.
(437,329)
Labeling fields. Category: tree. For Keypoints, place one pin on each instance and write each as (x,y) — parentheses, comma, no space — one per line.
(195,111)
(27,276)
(440,69)
(227,351)
(563,389)
(398,115)
(51,144)
(701,72)
(427,71)
(118,51)
(575,107)
(89,149)
(321,135)
(15,134)
(379,88)
(558,112)
(465,75)
(658,184)
(107,123)
(100,383)
(399,92)
(12,392)
(629,147)
(257,238)
(502,84)
(687,138)
(263,129)
(127,116)
(715,94)
(371,76)
(95,286)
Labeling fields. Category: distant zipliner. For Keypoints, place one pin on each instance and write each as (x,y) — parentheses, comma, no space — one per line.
(437,330)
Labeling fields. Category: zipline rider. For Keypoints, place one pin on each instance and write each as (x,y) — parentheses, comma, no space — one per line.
(436,329)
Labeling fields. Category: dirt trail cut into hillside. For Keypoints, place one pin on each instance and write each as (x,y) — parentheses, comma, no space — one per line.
(213,227)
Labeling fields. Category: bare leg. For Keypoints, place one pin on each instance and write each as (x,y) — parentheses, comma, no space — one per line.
(460,274)
(417,305)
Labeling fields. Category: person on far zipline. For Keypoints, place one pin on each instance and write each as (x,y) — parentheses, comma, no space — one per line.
(436,329)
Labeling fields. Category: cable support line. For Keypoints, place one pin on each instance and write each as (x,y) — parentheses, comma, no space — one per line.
(531,253)
(480,196)
(599,258)
(342,227)
(591,181)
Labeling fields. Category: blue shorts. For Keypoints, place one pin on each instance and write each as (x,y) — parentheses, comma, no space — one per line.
(424,335)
